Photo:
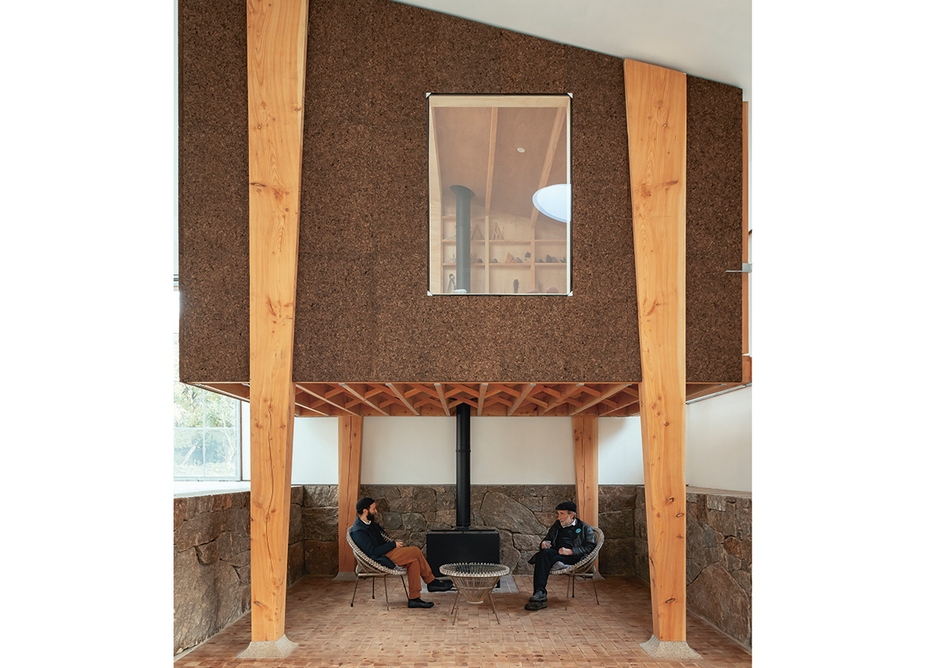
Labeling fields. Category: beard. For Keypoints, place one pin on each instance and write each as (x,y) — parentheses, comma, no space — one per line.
(371,516)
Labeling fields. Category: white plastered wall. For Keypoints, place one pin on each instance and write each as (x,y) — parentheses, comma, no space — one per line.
(520,451)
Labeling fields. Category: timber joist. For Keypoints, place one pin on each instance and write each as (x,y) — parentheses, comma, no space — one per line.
(494,399)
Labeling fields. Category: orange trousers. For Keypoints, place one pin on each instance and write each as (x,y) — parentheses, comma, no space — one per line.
(413,560)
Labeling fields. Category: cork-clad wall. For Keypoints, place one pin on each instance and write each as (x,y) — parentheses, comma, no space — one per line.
(362,310)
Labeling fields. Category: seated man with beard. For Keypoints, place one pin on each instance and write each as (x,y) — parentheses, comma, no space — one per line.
(568,540)
(368,535)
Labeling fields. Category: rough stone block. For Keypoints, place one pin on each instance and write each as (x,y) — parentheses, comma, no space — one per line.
(509,554)
(391,521)
(617,524)
(716,596)
(296,495)
(413,523)
(206,598)
(716,502)
(321,557)
(739,548)
(178,513)
(423,501)
(200,529)
(296,524)
(220,502)
(207,553)
(320,496)
(241,500)
(239,520)
(294,562)
(196,505)
(617,557)
(320,524)
(617,498)
(504,512)
(527,543)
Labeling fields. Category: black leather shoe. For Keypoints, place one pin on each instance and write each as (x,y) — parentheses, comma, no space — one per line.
(539,596)
(419,603)
(536,605)
(439,585)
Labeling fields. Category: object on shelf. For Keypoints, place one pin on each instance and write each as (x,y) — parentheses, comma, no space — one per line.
(518,260)
(451,285)
(517,284)
(450,259)
(477,233)
(494,260)
(553,290)
(509,259)
(480,261)
(527,256)
(540,261)
(550,259)
(496,232)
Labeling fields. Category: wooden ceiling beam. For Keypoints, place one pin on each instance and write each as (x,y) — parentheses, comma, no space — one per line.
(326,394)
(561,396)
(558,123)
(492,141)
(481,398)
(443,402)
(240,391)
(357,390)
(403,399)
(609,391)
(525,391)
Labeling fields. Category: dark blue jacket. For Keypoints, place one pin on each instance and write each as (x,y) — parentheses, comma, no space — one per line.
(369,537)
(580,538)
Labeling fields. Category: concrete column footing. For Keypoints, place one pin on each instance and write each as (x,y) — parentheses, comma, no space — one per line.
(345,576)
(269,649)
(669,649)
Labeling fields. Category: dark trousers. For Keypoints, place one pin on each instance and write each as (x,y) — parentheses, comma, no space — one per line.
(543,562)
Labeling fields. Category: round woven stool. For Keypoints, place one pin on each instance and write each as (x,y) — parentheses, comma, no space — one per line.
(475,582)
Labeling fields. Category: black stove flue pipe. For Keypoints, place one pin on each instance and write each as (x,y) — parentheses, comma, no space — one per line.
(463,239)
(463,461)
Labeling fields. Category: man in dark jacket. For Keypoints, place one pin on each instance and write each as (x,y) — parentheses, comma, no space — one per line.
(568,540)
(369,536)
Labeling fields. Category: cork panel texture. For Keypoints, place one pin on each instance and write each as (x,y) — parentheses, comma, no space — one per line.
(362,311)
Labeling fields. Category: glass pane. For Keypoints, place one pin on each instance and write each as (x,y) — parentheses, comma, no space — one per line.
(188,453)
(500,194)
(219,410)
(187,406)
(221,453)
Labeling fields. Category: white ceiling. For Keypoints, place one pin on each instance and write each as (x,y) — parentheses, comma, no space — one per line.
(705,38)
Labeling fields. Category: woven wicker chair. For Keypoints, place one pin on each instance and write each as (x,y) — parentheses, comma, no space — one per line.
(584,568)
(366,567)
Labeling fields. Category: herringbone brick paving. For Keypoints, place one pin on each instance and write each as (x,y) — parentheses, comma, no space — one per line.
(331,633)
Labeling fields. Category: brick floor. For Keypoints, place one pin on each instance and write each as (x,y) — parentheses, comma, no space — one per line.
(331,633)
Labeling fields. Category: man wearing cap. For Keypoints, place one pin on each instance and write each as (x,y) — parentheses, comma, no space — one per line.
(368,535)
(568,540)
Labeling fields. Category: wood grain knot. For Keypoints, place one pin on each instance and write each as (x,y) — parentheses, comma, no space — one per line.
(670,600)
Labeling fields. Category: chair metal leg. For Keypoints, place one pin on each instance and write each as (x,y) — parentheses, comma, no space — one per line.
(386,600)
(455,606)
(357,580)
(492,599)
(406,592)
(595,589)
(372,589)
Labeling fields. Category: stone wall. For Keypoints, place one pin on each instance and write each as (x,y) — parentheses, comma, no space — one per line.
(211,562)
(718,559)
(212,543)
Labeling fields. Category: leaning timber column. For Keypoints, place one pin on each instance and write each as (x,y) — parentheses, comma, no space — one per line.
(276,64)
(655,100)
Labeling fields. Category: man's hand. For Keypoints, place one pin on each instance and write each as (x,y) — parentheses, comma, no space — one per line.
(545,545)
(565,551)
(399,543)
